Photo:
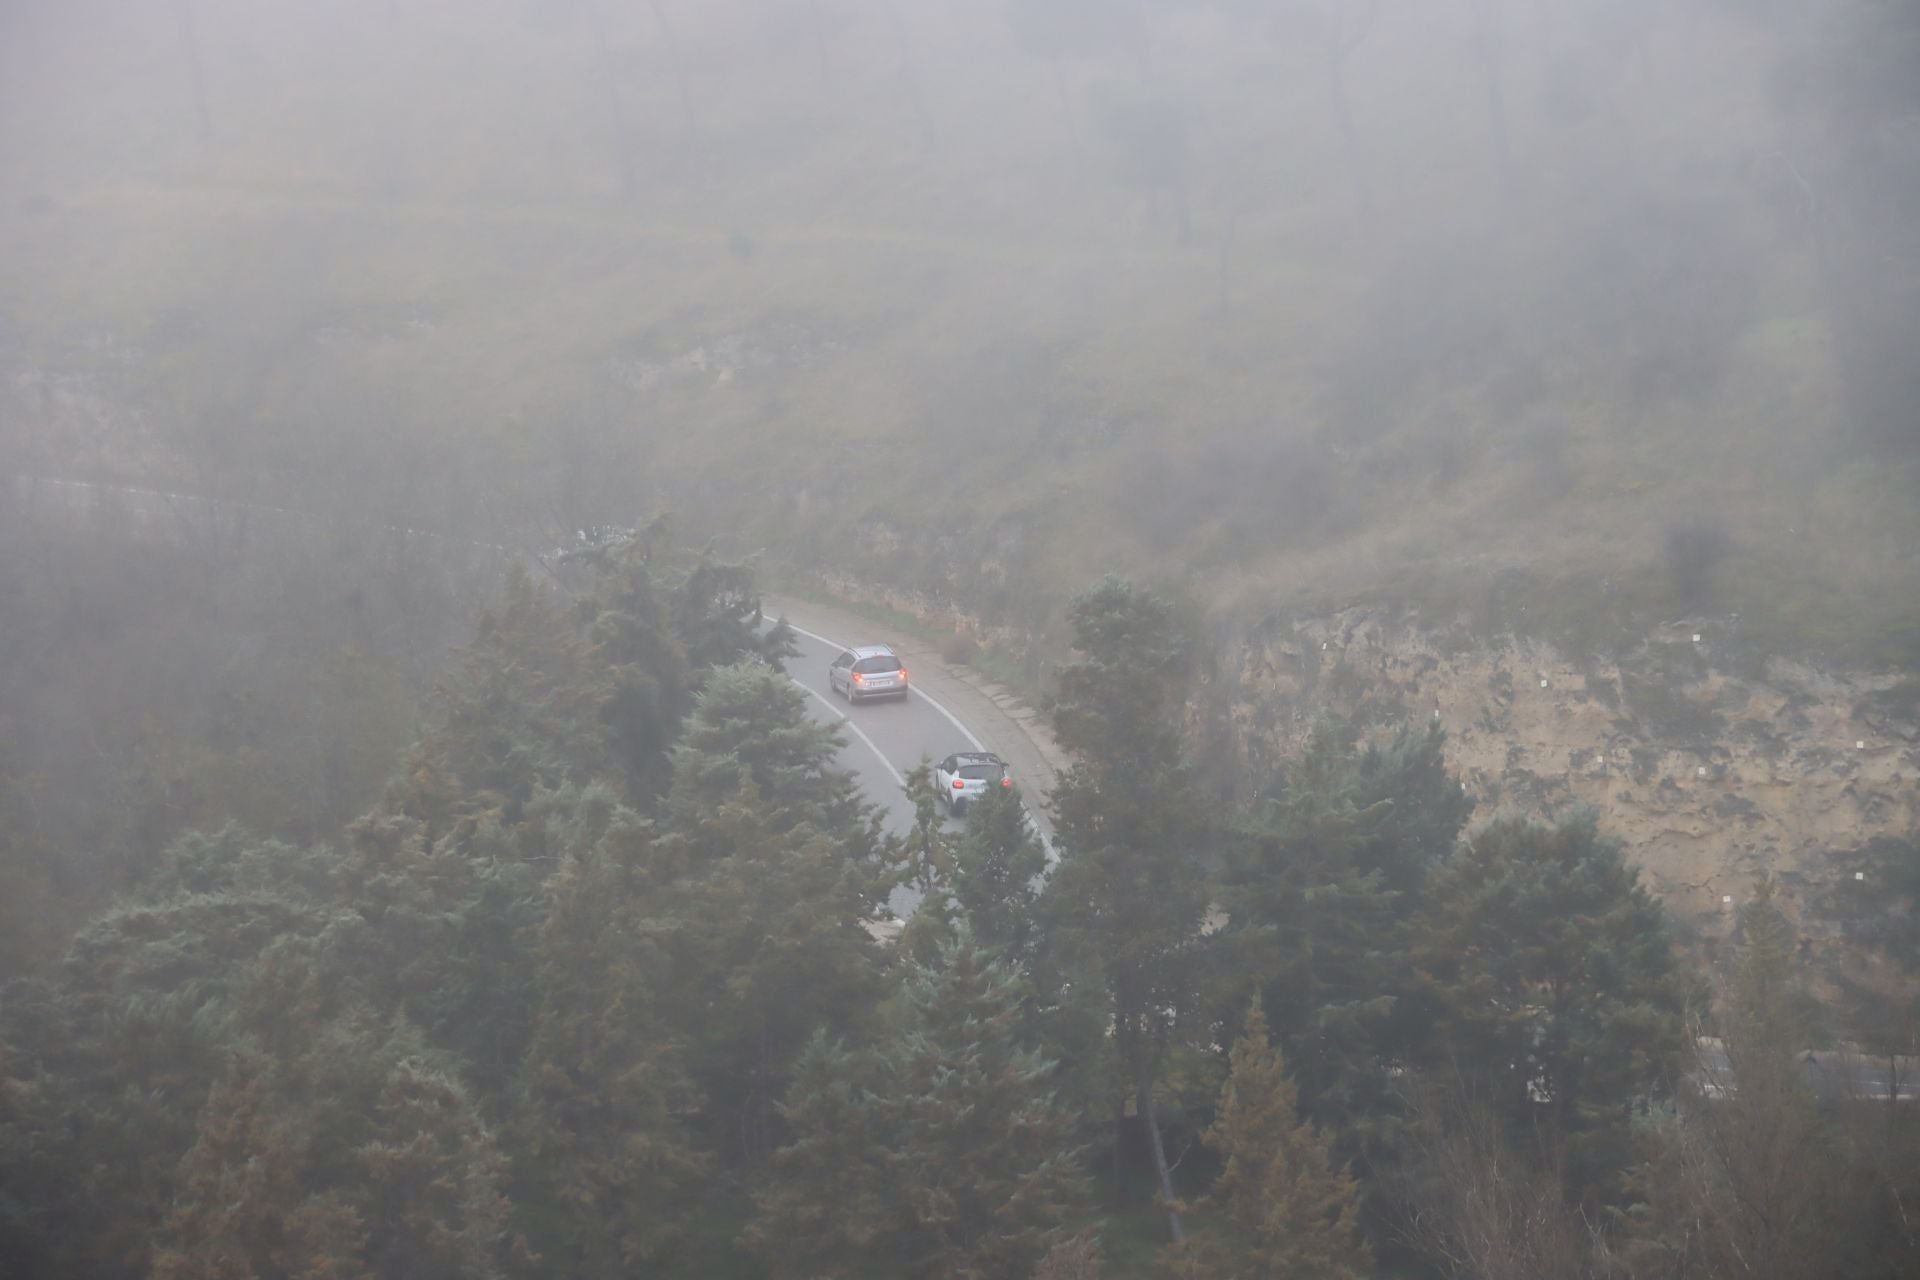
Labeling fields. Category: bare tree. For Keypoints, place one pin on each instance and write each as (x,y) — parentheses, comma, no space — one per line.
(672,41)
(1487,40)
(1741,1182)
(1473,1205)
(616,101)
(196,73)
(910,73)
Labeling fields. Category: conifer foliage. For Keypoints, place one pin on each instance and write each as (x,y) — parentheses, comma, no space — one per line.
(940,1153)
(997,865)
(1550,974)
(772,862)
(1124,905)
(1280,1207)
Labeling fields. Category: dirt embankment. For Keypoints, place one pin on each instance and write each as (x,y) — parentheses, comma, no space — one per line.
(1711,778)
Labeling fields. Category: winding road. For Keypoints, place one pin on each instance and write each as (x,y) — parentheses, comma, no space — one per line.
(886,738)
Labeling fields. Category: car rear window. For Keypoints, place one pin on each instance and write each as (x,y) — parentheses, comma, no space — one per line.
(867,666)
(979,772)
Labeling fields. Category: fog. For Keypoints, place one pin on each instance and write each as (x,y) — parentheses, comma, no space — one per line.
(410,254)
(405,404)
(975,301)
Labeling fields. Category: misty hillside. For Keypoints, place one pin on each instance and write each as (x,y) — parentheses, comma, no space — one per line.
(1286,301)
(1005,639)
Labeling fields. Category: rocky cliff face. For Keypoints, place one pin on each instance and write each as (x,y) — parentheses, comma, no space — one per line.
(1711,777)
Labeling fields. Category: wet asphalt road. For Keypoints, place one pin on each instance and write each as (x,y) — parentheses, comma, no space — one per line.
(884,737)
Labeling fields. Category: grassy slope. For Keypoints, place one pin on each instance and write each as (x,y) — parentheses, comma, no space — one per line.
(402,272)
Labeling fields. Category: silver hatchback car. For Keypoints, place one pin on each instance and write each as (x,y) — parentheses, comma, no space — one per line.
(870,671)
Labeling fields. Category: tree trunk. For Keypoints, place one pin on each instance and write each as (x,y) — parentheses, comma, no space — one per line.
(910,76)
(819,25)
(1349,136)
(190,38)
(1144,1093)
(1227,230)
(1066,107)
(616,102)
(679,66)
(1488,37)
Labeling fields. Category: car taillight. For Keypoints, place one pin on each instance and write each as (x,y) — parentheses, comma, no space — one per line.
(1006,782)
(858,678)
(958,785)
(903,673)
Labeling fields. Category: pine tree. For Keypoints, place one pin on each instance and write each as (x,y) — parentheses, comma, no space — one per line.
(717,615)
(232,1082)
(1317,930)
(923,859)
(1548,972)
(1422,808)
(997,865)
(750,726)
(526,707)
(238,1205)
(942,1153)
(631,625)
(603,1166)
(1283,1208)
(1126,900)
(828,1209)
(983,1159)
(775,870)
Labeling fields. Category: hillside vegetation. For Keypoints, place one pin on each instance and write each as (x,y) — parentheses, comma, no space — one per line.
(1291,302)
(591,988)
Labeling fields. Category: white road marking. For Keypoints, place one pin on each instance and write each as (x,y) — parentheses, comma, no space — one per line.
(847,720)
(922,694)
(1046,841)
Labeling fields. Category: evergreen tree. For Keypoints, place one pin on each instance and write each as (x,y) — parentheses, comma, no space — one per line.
(750,726)
(1126,901)
(828,1210)
(717,615)
(382,1170)
(1547,969)
(604,1171)
(775,870)
(631,627)
(942,1153)
(1422,810)
(526,707)
(222,1086)
(997,865)
(1283,1208)
(239,1206)
(924,861)
(1317,931)
(983,1158)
